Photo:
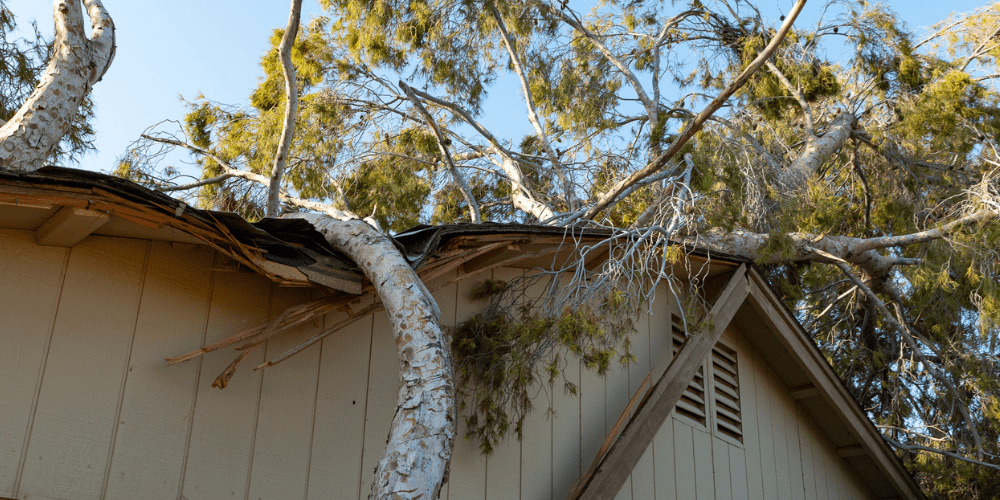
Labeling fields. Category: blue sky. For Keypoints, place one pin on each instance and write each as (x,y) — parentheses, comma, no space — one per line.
(213,47)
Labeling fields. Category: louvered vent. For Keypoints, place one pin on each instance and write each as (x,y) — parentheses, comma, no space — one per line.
(726,386)
(692,402)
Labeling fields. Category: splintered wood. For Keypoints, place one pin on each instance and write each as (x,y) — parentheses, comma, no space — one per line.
(466,256)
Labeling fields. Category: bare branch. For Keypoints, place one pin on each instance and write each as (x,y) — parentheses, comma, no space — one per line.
(571,200)
(806,112)
(956,456)
(291,107)
(916,352)
(442,143)
(698,122)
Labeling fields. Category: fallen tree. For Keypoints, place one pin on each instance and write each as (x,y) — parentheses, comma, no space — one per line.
(866,189)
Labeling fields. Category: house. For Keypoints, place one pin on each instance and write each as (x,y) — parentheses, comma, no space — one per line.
(103,280)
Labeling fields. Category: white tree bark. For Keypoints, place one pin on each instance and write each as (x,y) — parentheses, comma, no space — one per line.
(862,252)
(291,107)
(29,137)
(417,456)
(817,150)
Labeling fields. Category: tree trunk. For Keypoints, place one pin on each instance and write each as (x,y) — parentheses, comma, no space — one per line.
(28,139)
(291,108)
(416,458)
(817,151)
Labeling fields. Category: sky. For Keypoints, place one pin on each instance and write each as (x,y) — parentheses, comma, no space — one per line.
(188,48)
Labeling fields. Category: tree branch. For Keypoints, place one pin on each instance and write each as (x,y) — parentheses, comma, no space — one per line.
(291,108)
(904,333)
(571,200)
(698,122)
(956,456)
(30,136)
(443,147)
(806,112)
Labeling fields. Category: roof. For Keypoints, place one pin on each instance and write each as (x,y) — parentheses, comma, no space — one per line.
(292,253)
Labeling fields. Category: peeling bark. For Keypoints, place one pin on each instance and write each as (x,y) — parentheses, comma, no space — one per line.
(417,456)
(817,151)
(29,137)
(861,252)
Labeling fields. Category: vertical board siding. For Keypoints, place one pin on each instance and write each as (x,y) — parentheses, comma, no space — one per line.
(95,413)
(468,468)
(643,475)
(32,280)
(738,473)
(503,466)
(660,345)
(663,460)
(341,397)
(74,422)
(720,464)
(536,448)
(280,462)
(805,448)
(684,459)
(383,390)
(592,419)
(566,458)
(155,417)
(704,471)
(753,457)
(222,433)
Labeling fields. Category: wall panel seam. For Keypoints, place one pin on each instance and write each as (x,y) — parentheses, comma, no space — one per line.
(364,422)
(197,382)
(41,377)
(260,391)
(128,361)
(312,431)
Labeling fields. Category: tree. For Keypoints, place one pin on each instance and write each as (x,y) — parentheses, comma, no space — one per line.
(23,62)
(867,189)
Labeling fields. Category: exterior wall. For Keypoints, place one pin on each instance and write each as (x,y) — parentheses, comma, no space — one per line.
(90,410)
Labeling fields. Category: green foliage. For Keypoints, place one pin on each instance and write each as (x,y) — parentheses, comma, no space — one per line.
(813,79)
(936,119)
(504,357)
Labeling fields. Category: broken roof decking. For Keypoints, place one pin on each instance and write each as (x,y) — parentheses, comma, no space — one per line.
(291,252)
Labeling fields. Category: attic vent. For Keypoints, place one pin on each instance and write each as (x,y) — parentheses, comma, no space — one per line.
(692,402)
(726,386)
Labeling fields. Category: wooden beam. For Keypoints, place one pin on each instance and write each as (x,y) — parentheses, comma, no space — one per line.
(803,391)
(68,226)
(613,469)
(851,450)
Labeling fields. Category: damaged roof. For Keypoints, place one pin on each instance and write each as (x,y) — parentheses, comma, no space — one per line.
(292,253)
(288,251)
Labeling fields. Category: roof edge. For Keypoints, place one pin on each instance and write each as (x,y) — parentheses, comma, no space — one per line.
(796,341)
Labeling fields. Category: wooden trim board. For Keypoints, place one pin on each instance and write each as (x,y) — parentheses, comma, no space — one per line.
(612,470)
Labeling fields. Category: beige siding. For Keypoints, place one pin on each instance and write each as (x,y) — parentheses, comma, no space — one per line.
(91,410)
(158,400)
(79,398)
(32,280)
